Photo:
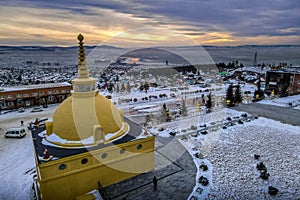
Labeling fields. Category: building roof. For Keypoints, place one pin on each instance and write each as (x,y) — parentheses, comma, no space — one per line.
(57,152)
(292,71)
(30,87)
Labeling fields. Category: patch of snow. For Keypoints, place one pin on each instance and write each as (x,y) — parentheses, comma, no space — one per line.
(56,139)
(96,194)
(290,101)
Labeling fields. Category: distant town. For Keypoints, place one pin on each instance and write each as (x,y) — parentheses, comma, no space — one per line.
(131,72)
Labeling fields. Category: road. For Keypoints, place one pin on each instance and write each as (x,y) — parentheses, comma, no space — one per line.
(284,114)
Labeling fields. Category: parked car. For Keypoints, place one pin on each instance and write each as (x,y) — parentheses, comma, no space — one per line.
(15,133)
(21,109)
(36,109)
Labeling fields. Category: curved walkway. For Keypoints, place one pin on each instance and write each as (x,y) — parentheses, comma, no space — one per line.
(176,177)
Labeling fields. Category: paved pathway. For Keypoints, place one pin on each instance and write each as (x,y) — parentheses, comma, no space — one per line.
(176,177)
(284,114)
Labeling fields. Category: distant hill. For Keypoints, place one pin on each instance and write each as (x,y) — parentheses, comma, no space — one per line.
(251,46)
(115,47)
(268,54)
(52,48)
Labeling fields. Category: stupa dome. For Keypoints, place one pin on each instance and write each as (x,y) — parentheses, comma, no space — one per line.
(86,118)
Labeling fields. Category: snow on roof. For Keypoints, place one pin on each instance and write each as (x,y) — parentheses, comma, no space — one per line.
(29,87)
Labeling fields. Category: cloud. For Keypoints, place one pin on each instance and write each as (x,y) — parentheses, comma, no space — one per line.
(206,21)
(242,18)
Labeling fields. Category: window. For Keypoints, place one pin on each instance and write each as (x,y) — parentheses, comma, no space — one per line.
(138,147)
(62,166)
(87,88)
(51,98)
(81,88)
(104,155)
(25,95)
(49,92)
(56,92)
(9,96)
(10,103)
(84,161)
(63,91)
(122,151)
(3,105)
(19,95)
(42,93)
(298,82)
(1,97)
(27,103)
(19,101)
(34,94)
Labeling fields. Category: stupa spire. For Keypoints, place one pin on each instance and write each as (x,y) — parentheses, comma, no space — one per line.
(83,71)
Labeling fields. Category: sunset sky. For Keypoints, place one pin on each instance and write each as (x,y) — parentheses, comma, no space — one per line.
(207,22)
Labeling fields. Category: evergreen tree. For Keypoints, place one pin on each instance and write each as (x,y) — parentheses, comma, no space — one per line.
(230,96)
(209,101)
(259,92)
(147,120)
(117,89)
(141,87)
(164,114)
(123,87)
(164,106)
(238,96)
(202,100)
(128,87)
(183,109)
(110,87)
(20,78)
(263,66)
(146,87)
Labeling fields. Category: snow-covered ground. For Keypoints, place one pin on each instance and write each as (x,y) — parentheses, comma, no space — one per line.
(234,168)
(290,101)
(17,155)
(228,153)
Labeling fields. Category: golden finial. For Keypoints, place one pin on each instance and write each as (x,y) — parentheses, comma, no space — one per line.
(80,37)
(82,66)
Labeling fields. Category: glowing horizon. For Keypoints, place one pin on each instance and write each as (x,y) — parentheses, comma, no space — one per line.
(44,24)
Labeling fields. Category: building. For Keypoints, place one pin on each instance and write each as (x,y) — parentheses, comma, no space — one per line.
(30,95)
(283,82)
(89,144)
(294,84)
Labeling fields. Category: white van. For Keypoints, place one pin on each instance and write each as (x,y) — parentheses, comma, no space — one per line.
(15,133)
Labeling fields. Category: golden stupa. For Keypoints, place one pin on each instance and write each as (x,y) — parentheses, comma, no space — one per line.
(86,118)
(90,144)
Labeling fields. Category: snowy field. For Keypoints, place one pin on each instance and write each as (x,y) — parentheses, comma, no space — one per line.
(228,153)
